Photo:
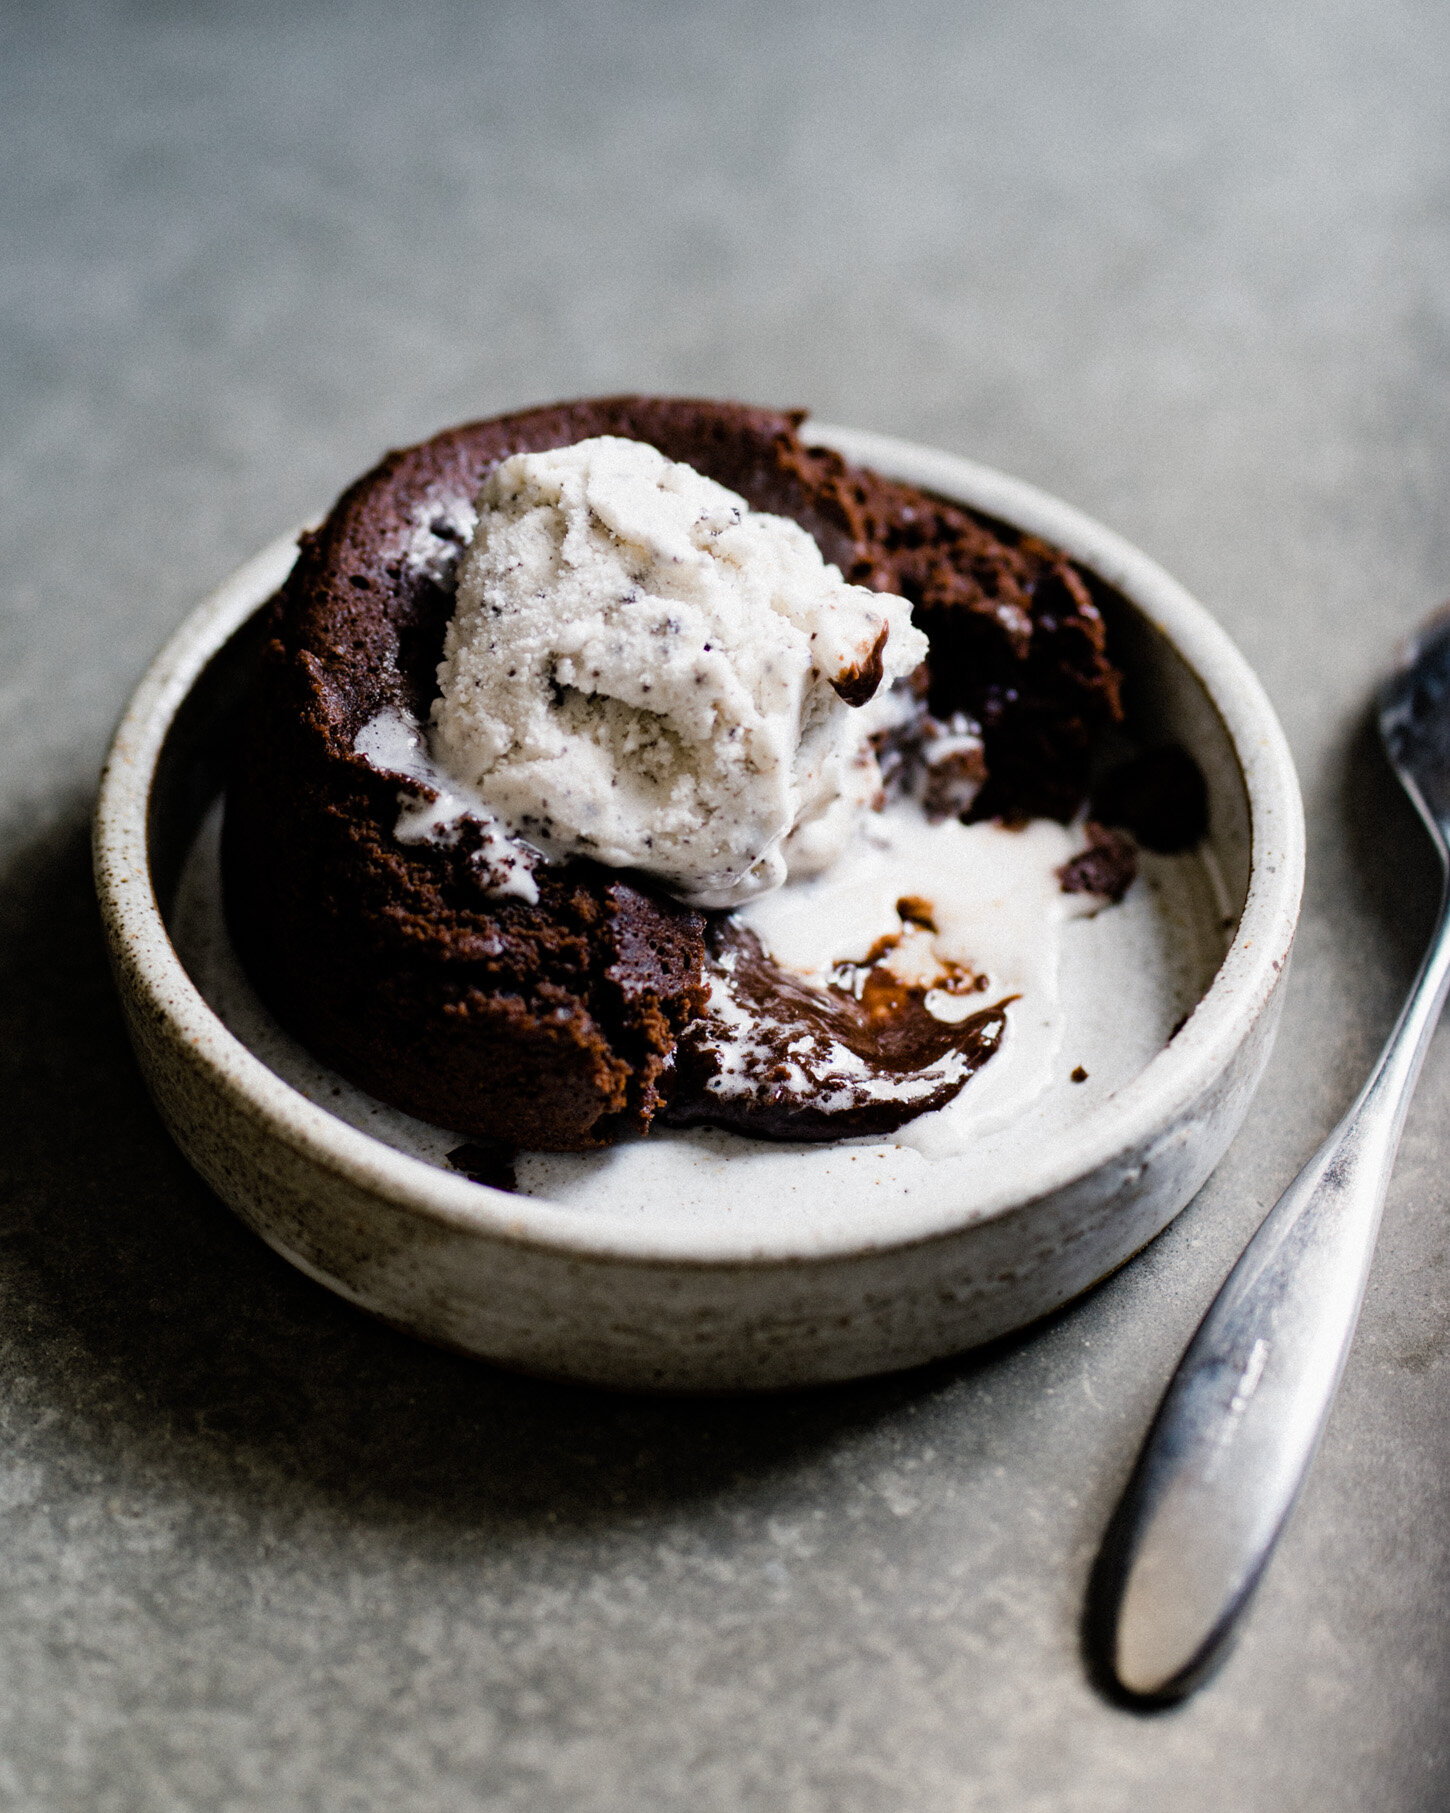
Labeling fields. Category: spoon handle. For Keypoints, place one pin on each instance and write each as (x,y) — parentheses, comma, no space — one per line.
(1238,1428)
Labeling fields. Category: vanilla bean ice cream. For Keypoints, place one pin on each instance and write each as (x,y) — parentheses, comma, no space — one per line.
(642,670)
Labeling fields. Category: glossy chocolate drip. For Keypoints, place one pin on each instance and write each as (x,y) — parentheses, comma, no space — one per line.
(778,1057)
(857,686)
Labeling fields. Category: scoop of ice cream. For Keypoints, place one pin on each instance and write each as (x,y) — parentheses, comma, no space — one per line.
(642,670)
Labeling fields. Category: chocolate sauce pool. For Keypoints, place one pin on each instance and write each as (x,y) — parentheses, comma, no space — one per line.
(778,1057)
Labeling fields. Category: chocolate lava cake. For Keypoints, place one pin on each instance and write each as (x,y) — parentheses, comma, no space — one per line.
(557,1025)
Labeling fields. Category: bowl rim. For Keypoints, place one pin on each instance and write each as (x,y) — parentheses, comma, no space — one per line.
(1155,1099)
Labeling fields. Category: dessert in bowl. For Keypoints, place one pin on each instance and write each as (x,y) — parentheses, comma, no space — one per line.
(766,1133)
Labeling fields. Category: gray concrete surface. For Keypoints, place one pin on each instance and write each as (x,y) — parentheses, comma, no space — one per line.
(1189,267)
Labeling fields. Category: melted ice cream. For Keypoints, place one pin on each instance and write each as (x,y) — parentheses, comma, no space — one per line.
(949,899)
(433,810)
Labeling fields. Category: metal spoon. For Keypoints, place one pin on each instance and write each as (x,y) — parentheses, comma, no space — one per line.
(1237,1431)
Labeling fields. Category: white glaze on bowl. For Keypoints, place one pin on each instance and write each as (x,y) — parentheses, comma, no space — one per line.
(724,1301)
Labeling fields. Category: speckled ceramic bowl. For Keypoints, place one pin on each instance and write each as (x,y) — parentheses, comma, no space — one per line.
(714,1300)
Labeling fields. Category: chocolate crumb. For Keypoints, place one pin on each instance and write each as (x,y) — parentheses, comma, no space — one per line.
(1160,796)
(952,784)
(489,1163)
(1107,866)
(1079,1075)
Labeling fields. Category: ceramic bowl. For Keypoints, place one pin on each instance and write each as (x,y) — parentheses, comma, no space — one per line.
(658,1299)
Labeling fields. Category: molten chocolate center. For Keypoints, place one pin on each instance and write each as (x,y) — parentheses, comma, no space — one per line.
(779,1057)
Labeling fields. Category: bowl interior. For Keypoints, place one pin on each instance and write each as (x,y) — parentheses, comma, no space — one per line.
(1162,1000)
